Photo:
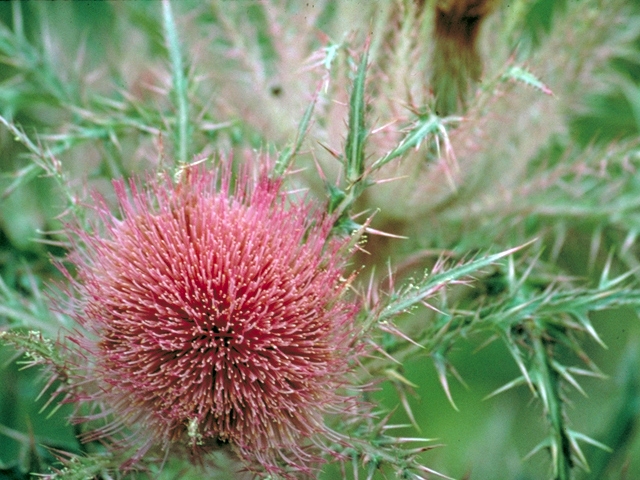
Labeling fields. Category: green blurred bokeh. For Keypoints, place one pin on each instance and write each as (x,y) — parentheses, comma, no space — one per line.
(485,439)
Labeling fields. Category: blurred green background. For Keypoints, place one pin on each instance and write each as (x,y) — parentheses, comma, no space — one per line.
(74,55)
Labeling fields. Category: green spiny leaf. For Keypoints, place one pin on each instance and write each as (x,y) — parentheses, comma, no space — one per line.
(520,74)
(39,350)
(354,147)
(432,283)
(521,380)
(78,467)
(288,154)
(423,128)
(440,362)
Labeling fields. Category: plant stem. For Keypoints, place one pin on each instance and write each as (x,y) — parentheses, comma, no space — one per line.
(179,82)
(548,387)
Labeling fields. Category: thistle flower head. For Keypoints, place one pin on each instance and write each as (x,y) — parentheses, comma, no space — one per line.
(213,314)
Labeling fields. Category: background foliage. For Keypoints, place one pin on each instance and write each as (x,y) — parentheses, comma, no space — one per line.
(545,151)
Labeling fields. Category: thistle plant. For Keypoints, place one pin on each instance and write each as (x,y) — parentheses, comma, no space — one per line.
(272,240)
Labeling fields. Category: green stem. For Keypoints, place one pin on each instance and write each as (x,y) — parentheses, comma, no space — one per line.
(18,24)
(548,387)
(179,82)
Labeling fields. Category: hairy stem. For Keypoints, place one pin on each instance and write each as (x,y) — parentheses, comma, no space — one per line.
(179,82)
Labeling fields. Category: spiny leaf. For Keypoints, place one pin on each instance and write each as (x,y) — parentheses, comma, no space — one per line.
(395,375)
(583,319)
(521,380)
(78,467)
(565,373)
(38,349)
(43,158)
(432,283)
(423,128)
(586,439)
(605,283)
(354,147)
(22,177)
(441,367)
(544,444)
(577,451)
(517,356)
(520,74)
(287,155)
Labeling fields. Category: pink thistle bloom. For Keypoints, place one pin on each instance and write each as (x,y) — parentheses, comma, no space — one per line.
(213,314)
